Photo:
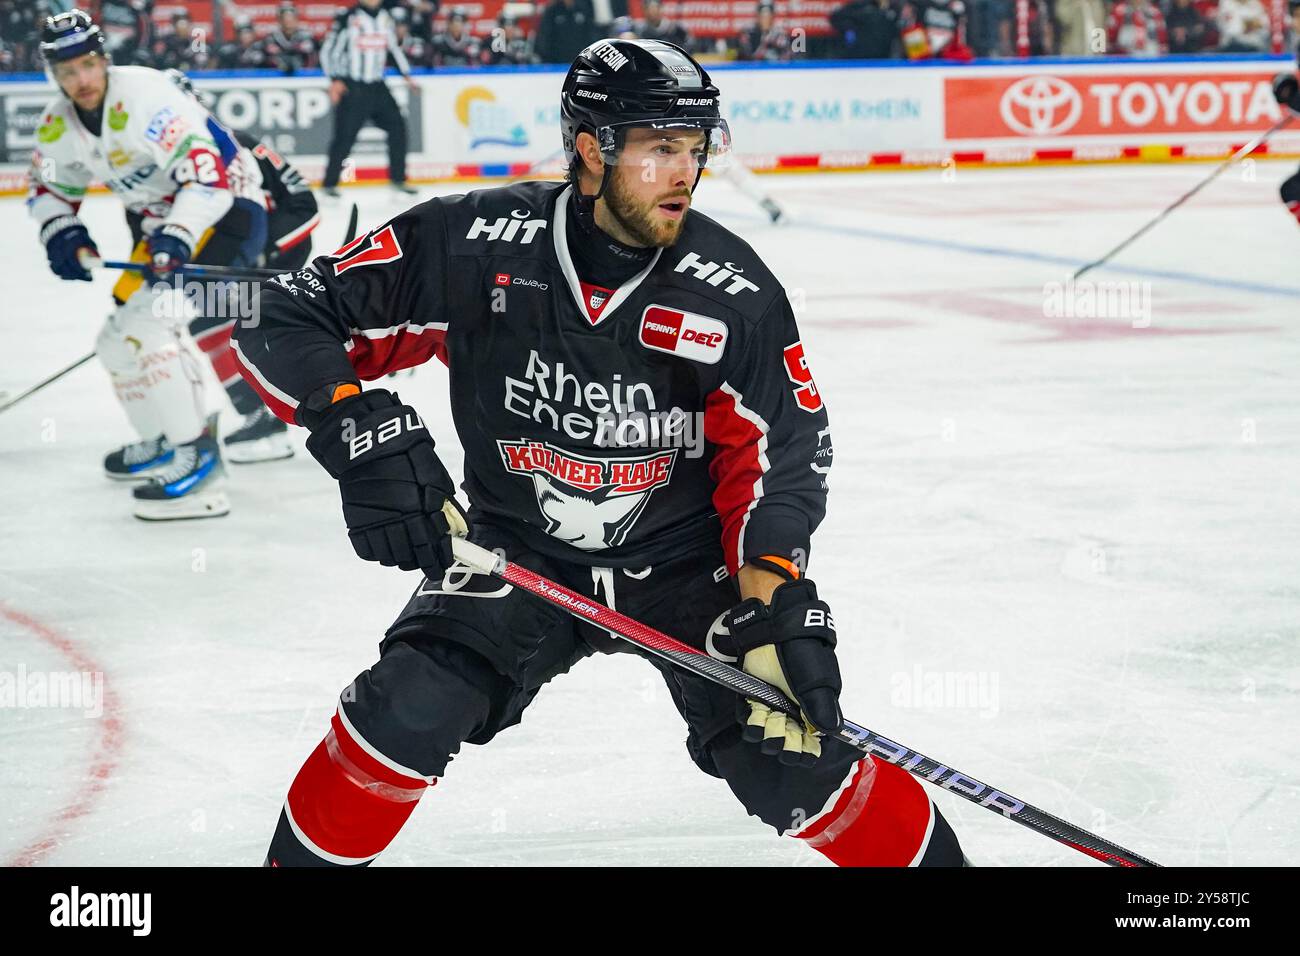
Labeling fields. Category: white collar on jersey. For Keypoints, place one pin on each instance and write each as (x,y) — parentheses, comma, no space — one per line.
(559,235)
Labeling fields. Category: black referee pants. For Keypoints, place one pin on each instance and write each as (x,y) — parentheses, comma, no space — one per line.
(361,103)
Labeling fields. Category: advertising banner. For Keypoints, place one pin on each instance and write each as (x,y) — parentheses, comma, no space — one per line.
(470,123)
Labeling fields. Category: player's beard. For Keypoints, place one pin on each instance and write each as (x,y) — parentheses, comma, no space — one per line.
(638,218)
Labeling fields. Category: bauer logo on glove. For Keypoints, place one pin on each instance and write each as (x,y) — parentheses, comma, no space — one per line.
(790,643)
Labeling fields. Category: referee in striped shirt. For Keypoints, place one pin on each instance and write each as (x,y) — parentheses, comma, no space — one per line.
(353,56)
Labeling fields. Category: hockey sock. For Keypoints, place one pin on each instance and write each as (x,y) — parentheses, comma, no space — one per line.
(881,816)
(346,804)
(215,343)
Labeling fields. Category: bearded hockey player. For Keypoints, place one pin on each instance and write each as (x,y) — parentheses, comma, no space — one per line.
(639,423)
(128,127)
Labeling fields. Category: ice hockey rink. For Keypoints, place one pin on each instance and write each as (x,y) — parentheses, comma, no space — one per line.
(1062,552)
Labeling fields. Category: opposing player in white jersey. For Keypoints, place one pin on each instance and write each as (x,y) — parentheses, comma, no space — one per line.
(133,130)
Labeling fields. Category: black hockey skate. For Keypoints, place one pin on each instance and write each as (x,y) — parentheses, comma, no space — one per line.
(191,486)
(261,437)
(138,460)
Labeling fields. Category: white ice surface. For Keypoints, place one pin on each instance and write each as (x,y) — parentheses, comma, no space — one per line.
(1097,521)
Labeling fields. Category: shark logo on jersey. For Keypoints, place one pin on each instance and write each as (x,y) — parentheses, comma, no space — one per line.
(590,503)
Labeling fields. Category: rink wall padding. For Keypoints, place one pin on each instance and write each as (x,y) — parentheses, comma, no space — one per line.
(492,123)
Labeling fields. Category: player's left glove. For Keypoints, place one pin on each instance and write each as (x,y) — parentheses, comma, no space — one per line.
(168,249)
(1286,90)
(790,643)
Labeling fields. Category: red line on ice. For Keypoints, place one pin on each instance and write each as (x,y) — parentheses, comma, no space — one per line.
(104,759)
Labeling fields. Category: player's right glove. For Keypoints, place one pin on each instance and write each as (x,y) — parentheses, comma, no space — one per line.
(1286,90)
(169,248)
(790,643)
(397,496)
(64,237)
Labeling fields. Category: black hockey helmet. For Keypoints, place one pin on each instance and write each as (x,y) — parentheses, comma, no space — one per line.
(616,84)
(66,36)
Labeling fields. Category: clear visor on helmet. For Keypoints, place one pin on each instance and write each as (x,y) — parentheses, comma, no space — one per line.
(687,141)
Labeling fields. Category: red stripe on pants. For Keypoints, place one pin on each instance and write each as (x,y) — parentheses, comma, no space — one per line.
(880,819)
(348,803)
(216,345)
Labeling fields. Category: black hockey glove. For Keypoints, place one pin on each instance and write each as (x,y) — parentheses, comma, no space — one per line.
(397,496)
(1286,90)
(789,643)
(64,238)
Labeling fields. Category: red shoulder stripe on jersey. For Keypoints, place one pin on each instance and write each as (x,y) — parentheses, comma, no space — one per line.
(377,352)
(738,465)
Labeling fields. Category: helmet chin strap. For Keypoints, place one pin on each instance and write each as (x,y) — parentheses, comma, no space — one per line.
(585,205)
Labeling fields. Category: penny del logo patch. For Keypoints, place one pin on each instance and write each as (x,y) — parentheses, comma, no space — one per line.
(692,336)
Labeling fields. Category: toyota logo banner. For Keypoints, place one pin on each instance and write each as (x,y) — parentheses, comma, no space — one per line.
(846,115)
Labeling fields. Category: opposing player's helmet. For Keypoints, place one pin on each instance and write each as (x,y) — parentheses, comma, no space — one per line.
(66,36)
(617,84)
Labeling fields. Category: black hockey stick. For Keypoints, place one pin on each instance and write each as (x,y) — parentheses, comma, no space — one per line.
(868,742)
(5,406)
(352,227)
(1246,150)
(190,269)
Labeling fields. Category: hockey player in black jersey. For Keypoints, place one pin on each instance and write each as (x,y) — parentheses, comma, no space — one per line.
(639,423)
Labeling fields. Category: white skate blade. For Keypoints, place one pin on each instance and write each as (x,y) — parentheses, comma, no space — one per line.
(199,504)
(138,476)
(270,448)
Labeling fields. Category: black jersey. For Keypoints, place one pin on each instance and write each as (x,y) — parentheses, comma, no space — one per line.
(291,210)
(615,426)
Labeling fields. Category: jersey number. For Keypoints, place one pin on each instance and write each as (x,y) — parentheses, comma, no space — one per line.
(382,247)
(796,366)
(199,168)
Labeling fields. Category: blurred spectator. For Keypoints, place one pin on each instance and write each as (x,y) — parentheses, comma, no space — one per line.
(289,47)
(1041,30)
(565,29)
(509,45)
(934,29)
(128,29)
(1186,28)
(421,14)
(456,47)
(1243,27)
(655,27)
(990,26)
(244,52)
(765,40)
(1081,27)
(623,28)
(1136,28)
(866,30)
(419,52)
(19,25)
(182,48)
